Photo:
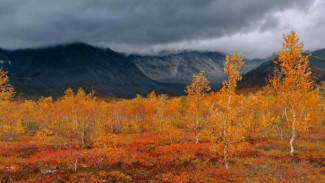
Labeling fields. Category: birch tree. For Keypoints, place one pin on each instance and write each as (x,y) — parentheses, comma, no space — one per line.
(295,86)
(196,92)
(228,118)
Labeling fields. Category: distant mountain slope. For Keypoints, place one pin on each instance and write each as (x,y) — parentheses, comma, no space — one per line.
(256,77)
(179,67)
(50,71)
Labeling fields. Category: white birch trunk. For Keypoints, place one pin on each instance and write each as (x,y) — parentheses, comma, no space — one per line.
(293,131)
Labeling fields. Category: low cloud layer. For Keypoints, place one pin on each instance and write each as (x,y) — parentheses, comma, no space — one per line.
(252,27)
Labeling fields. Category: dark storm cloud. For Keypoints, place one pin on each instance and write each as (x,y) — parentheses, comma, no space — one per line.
(33,23)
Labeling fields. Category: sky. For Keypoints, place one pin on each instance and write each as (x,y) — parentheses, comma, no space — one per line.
(254,28)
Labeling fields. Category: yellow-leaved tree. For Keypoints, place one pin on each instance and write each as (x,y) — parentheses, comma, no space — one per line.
(10,120)
(6,90)
(104,145)
(173,118)
(77,128)
(295,88)
(229,118)
(196,92)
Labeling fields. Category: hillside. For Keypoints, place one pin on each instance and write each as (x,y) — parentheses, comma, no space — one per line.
(179,67)
(256,77)
(50,71)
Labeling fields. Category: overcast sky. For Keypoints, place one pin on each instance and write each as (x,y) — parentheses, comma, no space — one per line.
(252,27)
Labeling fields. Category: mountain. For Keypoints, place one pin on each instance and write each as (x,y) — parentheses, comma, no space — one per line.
(179,67)
(256,77)
(50,71)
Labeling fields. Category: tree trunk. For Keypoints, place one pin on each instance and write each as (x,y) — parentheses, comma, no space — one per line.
(226,156)
(75,165)
(293,131)
(225,153)
(171,140)
(197,121)
(196,137)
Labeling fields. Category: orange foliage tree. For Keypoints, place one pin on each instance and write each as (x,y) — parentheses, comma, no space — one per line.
(294,87)
(173,118)
(76,124)
(228,119)
(260,108)
(10,119)
(160,116)
(104,143)
(196,92)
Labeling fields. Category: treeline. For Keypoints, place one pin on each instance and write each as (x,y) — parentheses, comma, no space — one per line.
(289,104)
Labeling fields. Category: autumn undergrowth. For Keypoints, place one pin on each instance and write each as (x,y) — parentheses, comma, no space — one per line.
(150,158)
